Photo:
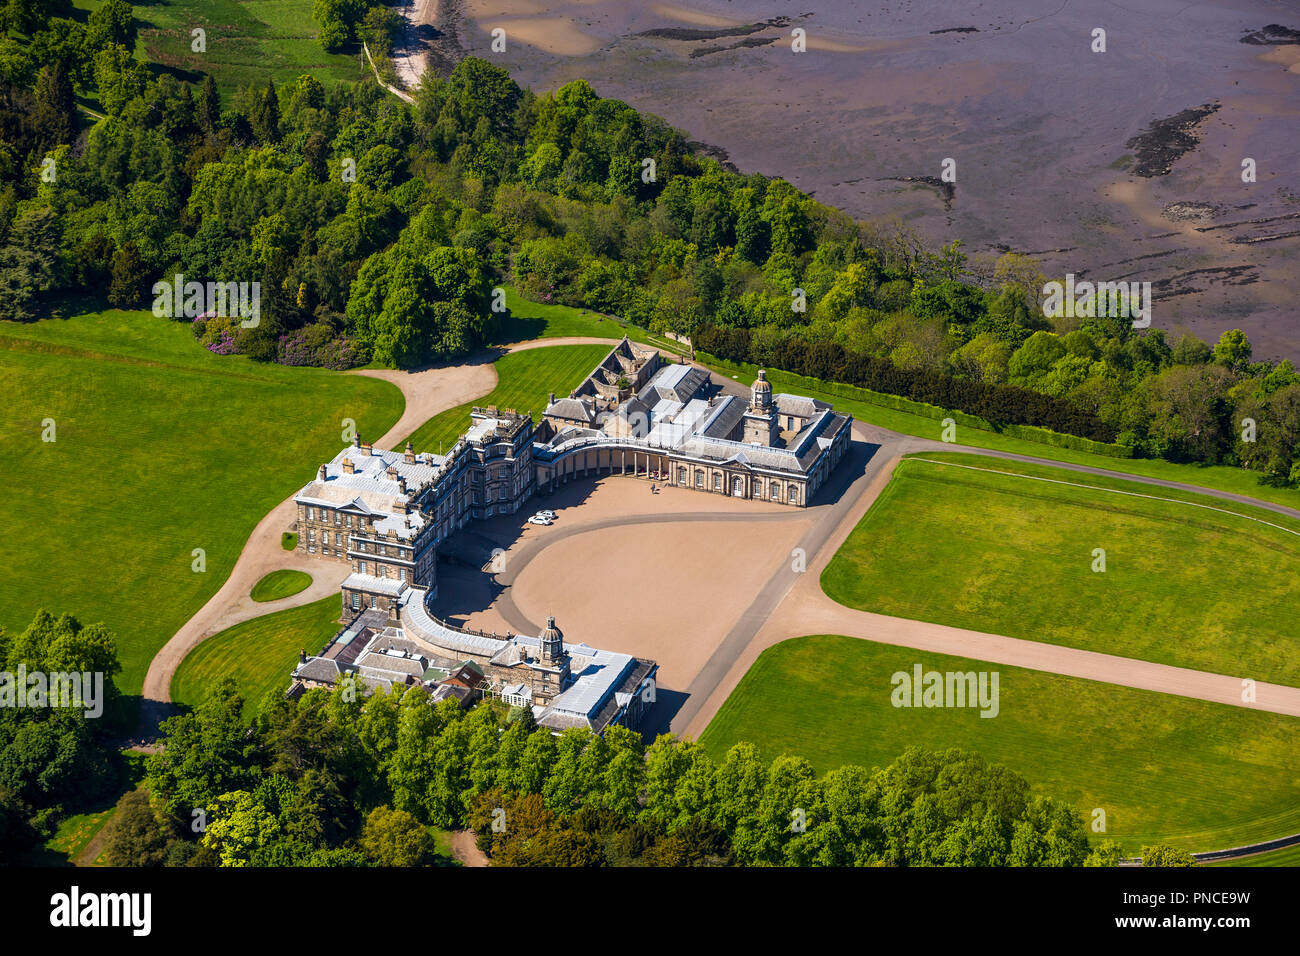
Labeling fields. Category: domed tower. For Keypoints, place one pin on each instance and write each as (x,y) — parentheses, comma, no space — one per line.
(552,642)
(760,417)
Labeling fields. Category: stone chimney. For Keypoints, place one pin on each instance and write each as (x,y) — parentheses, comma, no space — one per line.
(302,655)
(551,400)
(410,454)
(321,473)
(348,467)
(366,448)
(401,484)
(356,440)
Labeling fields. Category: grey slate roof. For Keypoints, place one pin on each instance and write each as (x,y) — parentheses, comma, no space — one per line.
(800,406)
(571,409)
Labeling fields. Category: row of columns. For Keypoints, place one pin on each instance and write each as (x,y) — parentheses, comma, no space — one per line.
(643,464)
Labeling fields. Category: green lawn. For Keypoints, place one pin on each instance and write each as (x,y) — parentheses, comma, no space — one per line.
(280,584)
(259,653)
(75,833)
(1219,477)
(246,41)
(161,448)
(1199,775)
(524,380)
(1010,555)
(533,320)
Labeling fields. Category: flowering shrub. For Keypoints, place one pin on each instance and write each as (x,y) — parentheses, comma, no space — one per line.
(318,345)
(224,344)
(217,334)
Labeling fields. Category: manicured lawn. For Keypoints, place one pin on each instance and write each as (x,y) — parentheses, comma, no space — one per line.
(161,448)
(280,584)
(1219,477)
(1010,555)
(259,653)
(288,541)
(534,320)
(1202,776)
(1289,856)
(524,380)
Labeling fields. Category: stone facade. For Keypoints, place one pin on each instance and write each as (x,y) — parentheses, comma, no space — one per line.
(385,513)
(777,448)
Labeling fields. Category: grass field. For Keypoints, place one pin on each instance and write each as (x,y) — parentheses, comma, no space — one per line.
(1202,776)
(1009,555)
(246,41)
(524,379)
(280,584)
(259,654)
(75,833)
(161,448)
(1219,477)
(1289,856)
(533,320)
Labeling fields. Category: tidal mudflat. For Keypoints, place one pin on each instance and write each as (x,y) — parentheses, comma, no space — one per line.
(1122,165)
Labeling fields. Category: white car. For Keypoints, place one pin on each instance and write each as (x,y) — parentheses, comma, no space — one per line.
(547,514)
(538,519)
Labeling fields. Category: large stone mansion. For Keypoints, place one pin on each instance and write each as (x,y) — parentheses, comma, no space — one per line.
(636,415)
(385,513)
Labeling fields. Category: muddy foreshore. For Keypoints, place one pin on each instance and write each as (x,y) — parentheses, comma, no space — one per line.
(1088,160)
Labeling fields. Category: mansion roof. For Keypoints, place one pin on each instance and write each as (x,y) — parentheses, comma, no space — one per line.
(596,676)
(382,484)
(674,411)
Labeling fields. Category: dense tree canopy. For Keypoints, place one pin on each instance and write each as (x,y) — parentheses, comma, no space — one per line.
(377,229)
(342,779)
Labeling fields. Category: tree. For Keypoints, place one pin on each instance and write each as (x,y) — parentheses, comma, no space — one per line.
(209,107)
(753,237)
(1161,854)
(1107,853)
(395,838)
(54,119)
(208,753)
(266,116)
(1033,360)
(114,22)
(1233,350)
(134,836)
(1188,410)
(29,262)
(337,21)
(119,77)
(25,16)
(130,277)
(239,827)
